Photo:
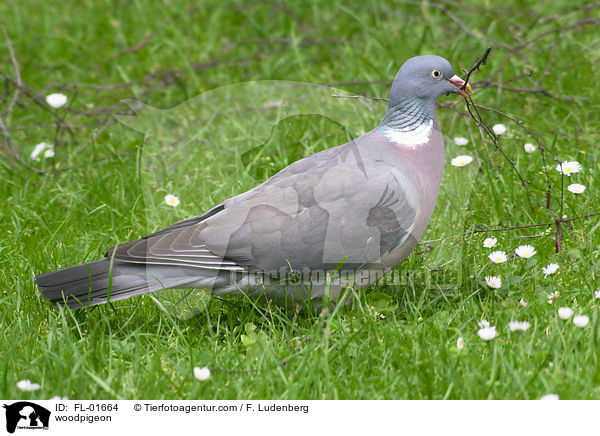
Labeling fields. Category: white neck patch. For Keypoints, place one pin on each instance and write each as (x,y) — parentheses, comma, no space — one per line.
(410,138)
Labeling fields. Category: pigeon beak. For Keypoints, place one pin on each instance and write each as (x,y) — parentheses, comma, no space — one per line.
(458,82)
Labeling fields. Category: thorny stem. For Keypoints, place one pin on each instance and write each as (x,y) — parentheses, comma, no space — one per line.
(479,62)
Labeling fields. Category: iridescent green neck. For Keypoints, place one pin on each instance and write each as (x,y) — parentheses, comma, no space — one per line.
(407,114)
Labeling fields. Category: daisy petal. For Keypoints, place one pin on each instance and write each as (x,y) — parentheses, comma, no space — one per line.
(487,333)
(171,200)
(581,320)
(493,282)
(525,251)
(201,373)
(56,100)
(518,326)
(498,256)
(576,188)
(461,161)
(490,242)
(549,269)
(27,386)
(565,312)
(499,129)
(568,167)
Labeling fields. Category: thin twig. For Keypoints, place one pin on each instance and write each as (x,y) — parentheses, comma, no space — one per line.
(61,122)
(13,59)
(575,25)
(139,45)
(38,99)
(520,123)
(360,96)
(13,149)
(478,63)
(7,143)
(546,71)
(509,228)
(481,124)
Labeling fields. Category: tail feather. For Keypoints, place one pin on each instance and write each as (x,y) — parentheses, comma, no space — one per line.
(96,282)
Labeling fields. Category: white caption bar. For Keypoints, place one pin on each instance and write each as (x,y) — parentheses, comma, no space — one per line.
(264,417)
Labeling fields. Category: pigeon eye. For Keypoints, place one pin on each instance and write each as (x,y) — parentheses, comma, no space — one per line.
(436,74)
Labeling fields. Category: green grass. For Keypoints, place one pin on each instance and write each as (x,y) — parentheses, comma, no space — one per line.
(97,192)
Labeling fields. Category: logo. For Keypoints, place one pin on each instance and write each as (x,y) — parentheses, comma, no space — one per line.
(26,415)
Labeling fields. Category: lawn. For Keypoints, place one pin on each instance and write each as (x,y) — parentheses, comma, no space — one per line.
(398,340)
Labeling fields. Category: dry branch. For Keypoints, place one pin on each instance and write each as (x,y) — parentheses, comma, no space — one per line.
(478,63)
(13,59)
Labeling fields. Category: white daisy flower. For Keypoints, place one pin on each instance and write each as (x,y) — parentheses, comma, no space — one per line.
(487,333)
(525,251)
(565,312)
(549,269)
(483,323)
(202,373)
(549,397)
(461,161)
(518,325)
(58,398)
(597,294)
(171,200)
(493,282)
(56,100)
(576,188)
(568,168)
(553,296)
(581,320)
(522,302)
(460,343)
(529,148)
(499,129)
(498,256)
(42,150)
(28,386)
(459,140)
(490,242)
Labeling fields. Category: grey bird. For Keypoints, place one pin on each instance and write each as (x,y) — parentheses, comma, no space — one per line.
(343,216)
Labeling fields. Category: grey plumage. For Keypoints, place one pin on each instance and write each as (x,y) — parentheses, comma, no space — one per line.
(363,205)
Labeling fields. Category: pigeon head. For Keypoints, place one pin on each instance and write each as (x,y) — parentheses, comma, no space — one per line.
(426,78)
(419,83)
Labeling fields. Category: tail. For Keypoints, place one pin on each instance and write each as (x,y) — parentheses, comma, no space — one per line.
(99,282)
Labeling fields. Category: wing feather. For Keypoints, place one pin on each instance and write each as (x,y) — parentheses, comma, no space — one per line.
(316,212)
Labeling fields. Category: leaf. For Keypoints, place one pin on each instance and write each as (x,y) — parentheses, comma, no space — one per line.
(380,302)
(254,340)
(531,263)
(511,279)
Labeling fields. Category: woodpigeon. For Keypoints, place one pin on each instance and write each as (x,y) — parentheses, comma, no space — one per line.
(344,216)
